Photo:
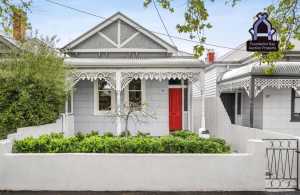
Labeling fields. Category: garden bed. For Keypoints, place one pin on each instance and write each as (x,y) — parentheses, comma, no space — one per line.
(180,142)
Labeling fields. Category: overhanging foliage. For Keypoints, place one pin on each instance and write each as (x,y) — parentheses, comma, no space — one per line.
(32,87)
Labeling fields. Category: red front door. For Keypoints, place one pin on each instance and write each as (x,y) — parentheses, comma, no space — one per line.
(175,109)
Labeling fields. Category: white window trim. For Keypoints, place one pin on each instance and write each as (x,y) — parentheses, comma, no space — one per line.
(143,89)
(96,101)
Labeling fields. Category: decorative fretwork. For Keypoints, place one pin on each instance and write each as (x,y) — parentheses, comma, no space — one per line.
(129,76)
(261,83)
(109,77)
(244,83)
(281,163)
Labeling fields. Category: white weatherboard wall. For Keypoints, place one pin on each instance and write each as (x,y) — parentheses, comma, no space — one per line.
(134,172)
(157,104)
(84,118)
(211,77)
(277,111)
(157,101)
(211,82)
(219,125)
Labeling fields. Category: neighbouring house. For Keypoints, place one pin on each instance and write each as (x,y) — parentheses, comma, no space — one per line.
(119,62)
(6,44)
(253,98)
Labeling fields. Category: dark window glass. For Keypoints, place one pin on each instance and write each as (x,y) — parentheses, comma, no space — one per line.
(186,99)
(135,97)
(174,82)
(135,93)
(103,85)
(135,85)
(104,92)
(239,103)
(295,111)
(186,82)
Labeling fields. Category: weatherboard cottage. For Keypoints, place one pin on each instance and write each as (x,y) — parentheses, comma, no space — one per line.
(119,62)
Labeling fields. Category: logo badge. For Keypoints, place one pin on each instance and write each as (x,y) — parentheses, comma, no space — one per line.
(262,34)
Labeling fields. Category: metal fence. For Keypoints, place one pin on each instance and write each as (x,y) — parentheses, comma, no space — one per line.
(281,163)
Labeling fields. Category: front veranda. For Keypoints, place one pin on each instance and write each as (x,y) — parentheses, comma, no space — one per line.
(100,99)
(254,99)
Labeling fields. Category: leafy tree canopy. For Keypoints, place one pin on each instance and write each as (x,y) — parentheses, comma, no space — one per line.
(284,15)
(8,7)
(33,87)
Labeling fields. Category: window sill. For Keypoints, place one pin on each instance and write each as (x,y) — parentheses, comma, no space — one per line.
(103,113)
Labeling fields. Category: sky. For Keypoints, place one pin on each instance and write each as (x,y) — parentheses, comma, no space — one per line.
(230,25)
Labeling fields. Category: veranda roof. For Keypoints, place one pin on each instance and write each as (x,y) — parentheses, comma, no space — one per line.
(135,62)
(281,69)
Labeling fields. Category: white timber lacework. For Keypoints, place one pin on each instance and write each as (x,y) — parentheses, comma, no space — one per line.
(244,83)
(109,77)
(261,83)
(126,77)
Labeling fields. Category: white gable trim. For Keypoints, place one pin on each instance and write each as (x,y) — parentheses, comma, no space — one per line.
(108,39)
(118,50)
(129,39)
(9,43)
(120,16)
(119,34)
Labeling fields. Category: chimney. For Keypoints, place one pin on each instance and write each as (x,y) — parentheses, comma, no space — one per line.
(19,24)
(210,56)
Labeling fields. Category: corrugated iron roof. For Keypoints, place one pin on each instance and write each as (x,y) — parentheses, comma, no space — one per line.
(280,68)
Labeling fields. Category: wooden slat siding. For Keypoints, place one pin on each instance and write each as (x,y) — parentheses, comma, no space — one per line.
(196,89)
(156,99)
(211,83)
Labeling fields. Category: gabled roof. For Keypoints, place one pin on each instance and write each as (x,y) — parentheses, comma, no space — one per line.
(8,41)
(237,55)
(128,21)
(281,69)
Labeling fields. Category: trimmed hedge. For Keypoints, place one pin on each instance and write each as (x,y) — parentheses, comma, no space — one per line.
(181,142)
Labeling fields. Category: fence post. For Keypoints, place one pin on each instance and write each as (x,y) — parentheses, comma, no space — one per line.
(257,148)
(5,146)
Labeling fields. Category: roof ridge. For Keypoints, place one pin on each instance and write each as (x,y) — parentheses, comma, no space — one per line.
(120,16)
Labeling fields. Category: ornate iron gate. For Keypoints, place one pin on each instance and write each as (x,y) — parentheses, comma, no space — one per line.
(282,163)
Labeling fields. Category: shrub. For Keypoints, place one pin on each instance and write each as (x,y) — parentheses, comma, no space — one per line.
(185,134)
(125,133)
(108,134)
(32,88)
(94,143)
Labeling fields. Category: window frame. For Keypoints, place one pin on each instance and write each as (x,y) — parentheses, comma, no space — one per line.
(143,90)
(294,118)
(96,100)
